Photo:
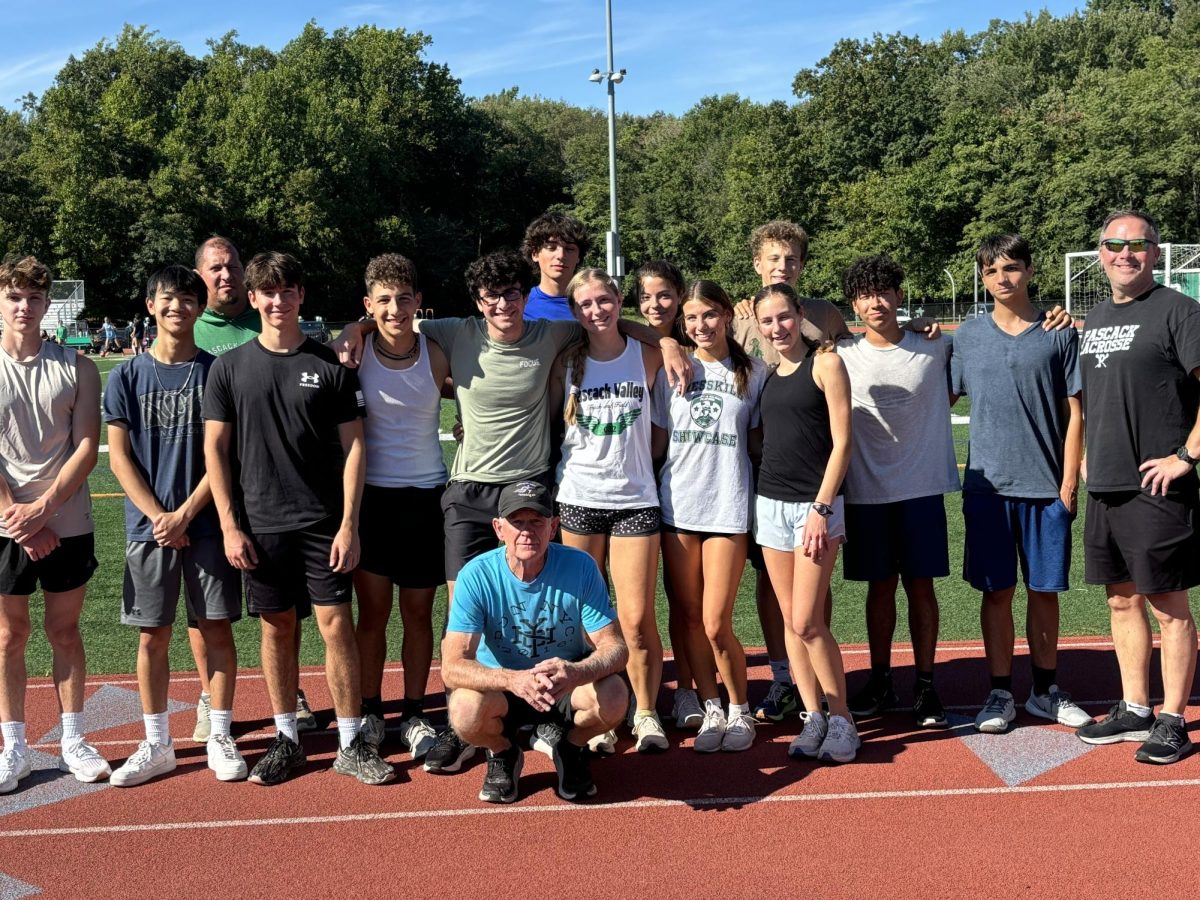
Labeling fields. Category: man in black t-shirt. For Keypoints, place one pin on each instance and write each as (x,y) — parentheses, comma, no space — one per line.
(291,417)
(1140,360)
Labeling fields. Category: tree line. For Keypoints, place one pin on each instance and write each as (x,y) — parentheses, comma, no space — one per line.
(349,143)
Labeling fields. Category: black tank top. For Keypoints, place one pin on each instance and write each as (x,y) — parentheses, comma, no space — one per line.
(796,437)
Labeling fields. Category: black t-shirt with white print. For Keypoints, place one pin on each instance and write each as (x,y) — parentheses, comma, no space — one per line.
(1139,396)
(286,409)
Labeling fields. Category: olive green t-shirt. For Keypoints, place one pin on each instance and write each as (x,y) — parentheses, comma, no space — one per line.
(822,322)
(217,334)
(502,395)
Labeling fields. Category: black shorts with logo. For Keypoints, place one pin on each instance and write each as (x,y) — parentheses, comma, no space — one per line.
(293,571)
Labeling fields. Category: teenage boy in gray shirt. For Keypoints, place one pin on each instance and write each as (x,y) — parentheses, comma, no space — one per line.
(902,463)
(1022,474)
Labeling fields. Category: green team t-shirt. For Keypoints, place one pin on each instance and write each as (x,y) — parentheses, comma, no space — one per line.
(501,391)
(217,334)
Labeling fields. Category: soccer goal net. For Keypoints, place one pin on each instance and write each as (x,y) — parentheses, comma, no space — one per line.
(1178,266)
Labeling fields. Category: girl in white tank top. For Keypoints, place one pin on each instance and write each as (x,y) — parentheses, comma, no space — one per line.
(607,494)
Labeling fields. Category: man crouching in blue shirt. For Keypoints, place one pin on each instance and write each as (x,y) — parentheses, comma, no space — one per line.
(533,639)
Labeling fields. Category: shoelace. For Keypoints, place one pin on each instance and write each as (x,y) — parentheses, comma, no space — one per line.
(225,742)
(775,692)
(996,703)
(1163,733)
(713,718)
(83,751)
(840,730)
(142,754)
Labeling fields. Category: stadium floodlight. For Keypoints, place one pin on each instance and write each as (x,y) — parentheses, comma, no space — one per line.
(616,265)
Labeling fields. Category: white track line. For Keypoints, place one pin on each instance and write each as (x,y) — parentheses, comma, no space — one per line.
(605,807)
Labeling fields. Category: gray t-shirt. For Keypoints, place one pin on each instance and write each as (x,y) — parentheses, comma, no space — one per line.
(902,445)
(1017,384)
(502,395)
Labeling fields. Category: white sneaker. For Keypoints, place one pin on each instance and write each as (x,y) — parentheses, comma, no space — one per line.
(1057,706)
(203,729)
(998,711)
(372,728)
(224,758)
(83,761)
(739,734)
(841,742)
(418,735)
(649,735)
(812,735)
(712,730)
(686,710)
(603,744)
(148,761)
(14,765)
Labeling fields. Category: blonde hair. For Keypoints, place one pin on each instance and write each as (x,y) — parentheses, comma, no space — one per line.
(576,359)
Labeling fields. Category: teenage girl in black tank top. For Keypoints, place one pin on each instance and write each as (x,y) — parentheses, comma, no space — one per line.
(806,451)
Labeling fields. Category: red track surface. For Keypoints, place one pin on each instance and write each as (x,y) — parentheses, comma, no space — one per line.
(918,815)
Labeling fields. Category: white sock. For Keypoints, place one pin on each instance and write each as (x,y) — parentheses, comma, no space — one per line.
(157,729)
(1137,709)
(220,719)
(72,727)
(738,709)
(14,734)
(779,671)
(285,724)
(347,730)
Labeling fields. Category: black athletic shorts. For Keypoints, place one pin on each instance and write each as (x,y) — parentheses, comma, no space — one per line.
(68,566)
(521,713)
(1151,541)
(402,535)
(469,507)
(293,571)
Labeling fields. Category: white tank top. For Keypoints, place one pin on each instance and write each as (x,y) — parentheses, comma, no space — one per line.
(401,427)
(606,453)
(37,402)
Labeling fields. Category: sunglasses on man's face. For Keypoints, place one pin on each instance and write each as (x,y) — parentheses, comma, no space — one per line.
(1116,245)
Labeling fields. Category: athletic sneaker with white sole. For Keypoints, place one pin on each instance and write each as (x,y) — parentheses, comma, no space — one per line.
(1121,724)
(148,761)
(83,761)
(448,752)
(224,759)
(687,710)
(648,734)
(1057,706)
(305,720)
(999,710)
(841,743)
(603,744)
(418,735)
(712,730)
(14,765)
(1168,742)
(812,735)
(739,733)
(203,728)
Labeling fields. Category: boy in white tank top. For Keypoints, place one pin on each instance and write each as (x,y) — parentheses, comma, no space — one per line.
(50,398)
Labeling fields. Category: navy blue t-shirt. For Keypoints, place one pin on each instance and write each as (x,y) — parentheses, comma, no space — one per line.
(160,406)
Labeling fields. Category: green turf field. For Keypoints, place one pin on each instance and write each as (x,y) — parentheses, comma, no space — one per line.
(112,647)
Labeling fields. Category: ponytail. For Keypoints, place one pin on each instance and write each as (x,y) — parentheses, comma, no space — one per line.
(576,360)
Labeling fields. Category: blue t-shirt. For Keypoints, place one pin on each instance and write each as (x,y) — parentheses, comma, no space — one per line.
(160,406)
(1017,384)
(524,623)
(546,306)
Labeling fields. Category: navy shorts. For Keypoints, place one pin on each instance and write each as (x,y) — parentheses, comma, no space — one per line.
(1150,541)
(906,538)
(1004,531)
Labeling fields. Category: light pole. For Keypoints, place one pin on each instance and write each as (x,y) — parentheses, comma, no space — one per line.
(616,264)
(953,295)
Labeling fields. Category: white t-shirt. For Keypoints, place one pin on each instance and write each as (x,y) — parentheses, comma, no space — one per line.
(902,444)
(706,483)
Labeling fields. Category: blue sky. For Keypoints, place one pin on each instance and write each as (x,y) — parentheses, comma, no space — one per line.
(676,51)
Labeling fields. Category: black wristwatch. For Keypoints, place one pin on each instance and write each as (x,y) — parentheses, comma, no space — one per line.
(1183,454)
(824,510)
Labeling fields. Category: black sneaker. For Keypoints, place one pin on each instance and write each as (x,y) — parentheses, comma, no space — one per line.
(574,771)
(282,758)
(875,697)
(448,752)
(503,775)
(1168,742)
(1119,725)
(362,761)
(927,708)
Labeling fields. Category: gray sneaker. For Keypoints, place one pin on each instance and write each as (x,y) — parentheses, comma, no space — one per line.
(812,735)
(712,730)
(841,743)
(999,710)
(305,720)
(203,729)
(372,729)
(362,761)
(1057,706)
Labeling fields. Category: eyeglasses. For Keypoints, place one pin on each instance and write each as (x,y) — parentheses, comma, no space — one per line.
(509,296)
(1116,245)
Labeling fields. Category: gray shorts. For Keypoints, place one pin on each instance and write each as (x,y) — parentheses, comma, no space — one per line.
(154,575)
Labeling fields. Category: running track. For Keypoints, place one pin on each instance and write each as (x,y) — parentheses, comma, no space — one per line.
(1033,813)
